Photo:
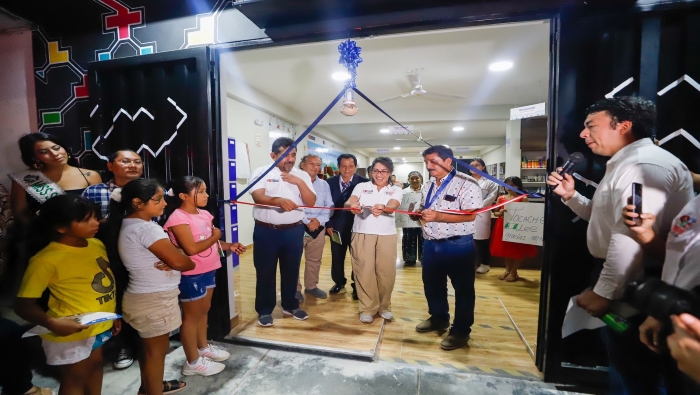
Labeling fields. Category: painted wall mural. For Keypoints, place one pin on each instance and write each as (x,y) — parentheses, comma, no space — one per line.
(117,29)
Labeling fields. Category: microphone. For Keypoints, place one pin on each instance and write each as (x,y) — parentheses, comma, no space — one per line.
(568,167)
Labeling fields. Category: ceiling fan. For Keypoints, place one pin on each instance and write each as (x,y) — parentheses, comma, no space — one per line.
(414,77)
(420,137)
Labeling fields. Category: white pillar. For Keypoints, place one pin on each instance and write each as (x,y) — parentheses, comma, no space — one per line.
(513,153)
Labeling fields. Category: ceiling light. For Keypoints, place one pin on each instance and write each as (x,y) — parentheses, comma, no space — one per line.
(457,129)
(397,148)
(501,66)
(340,76)
(384,131)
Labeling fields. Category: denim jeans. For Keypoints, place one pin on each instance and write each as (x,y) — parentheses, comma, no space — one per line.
(452,258)
(634,369)
(273,245)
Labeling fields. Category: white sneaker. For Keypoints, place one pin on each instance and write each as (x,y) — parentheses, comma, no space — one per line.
(483,269)
(215,353)
(387,315)
(366,318)
(202,367)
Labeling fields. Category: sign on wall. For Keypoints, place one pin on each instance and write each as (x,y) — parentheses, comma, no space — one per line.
(329,155)
(524,223)
(527,111)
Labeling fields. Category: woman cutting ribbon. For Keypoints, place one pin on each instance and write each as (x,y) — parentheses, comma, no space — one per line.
(373,245)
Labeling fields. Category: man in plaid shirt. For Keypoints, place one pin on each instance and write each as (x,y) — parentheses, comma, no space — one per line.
(126,165)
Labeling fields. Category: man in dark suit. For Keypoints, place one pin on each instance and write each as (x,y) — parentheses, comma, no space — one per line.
(342,221)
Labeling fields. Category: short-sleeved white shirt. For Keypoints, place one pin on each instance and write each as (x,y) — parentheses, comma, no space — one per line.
(368,195)
(275,187)
(135,237)
(682,264)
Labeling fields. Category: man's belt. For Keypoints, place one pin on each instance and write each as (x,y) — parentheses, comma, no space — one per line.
(273,226)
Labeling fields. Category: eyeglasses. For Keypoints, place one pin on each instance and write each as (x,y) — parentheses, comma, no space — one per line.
(157,200)
(382,172)
(127,162)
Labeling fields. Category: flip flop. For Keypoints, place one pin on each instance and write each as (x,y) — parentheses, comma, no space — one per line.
(169,387)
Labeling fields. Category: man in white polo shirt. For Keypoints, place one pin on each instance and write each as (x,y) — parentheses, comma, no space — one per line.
(279,232)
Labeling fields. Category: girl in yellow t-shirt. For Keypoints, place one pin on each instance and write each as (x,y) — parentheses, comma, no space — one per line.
(73,265)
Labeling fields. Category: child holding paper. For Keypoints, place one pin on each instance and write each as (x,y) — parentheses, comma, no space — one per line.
(512,252)
(73,265)
(190,228)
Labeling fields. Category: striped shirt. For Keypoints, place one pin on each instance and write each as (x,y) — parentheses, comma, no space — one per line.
(323,199)
(462,193)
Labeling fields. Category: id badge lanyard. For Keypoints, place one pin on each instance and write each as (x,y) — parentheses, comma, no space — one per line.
(428,201)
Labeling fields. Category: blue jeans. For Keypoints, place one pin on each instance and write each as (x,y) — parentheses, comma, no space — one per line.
(273,245)
(452,258)
(634,369)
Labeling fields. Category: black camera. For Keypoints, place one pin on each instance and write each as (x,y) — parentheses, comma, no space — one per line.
(655,298)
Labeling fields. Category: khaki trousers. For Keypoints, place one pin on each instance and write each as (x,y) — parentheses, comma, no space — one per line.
(374,265)
(313,251)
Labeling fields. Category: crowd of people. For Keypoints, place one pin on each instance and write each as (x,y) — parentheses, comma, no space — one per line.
(99,247)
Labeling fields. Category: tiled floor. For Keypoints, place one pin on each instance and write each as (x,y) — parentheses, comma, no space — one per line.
(261,371)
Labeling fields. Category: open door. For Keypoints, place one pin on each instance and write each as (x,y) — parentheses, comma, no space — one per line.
(159,105)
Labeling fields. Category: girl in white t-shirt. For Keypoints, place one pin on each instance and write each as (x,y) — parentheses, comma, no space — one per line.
(190,228)
(373,244)
(153,265)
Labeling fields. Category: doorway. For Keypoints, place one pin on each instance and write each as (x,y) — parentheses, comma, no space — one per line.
(265,91)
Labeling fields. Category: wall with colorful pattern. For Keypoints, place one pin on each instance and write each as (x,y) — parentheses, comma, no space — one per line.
(116,29)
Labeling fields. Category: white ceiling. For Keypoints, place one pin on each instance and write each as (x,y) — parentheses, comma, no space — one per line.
(455,62)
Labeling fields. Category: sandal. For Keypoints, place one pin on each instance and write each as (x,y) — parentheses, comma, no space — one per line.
(169,387)
(512,277)
(39,391)
(503,276)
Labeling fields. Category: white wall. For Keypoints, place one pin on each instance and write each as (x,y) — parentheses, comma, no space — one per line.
(494,157)
(17,99)
(401,170)
(513,153)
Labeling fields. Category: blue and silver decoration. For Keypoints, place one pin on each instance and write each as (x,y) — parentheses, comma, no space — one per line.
(350,59)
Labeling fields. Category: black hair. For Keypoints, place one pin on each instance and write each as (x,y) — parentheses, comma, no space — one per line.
(307,157)
(28,141)
(515,181)
(59,211)
(113,156)
(347,156)
(639,111)
(143,190)
(184,185)
(281,142)
(442,151)
(387,162)
(481,162)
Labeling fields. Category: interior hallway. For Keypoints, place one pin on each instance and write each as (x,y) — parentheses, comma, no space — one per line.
(495,346)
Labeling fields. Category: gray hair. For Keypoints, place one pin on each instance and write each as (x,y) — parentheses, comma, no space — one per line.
(307,157)
(416,173)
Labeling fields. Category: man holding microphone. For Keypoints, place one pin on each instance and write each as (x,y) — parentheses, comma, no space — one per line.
(622,129)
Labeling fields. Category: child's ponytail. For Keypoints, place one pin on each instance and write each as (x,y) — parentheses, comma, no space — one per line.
(121,204)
